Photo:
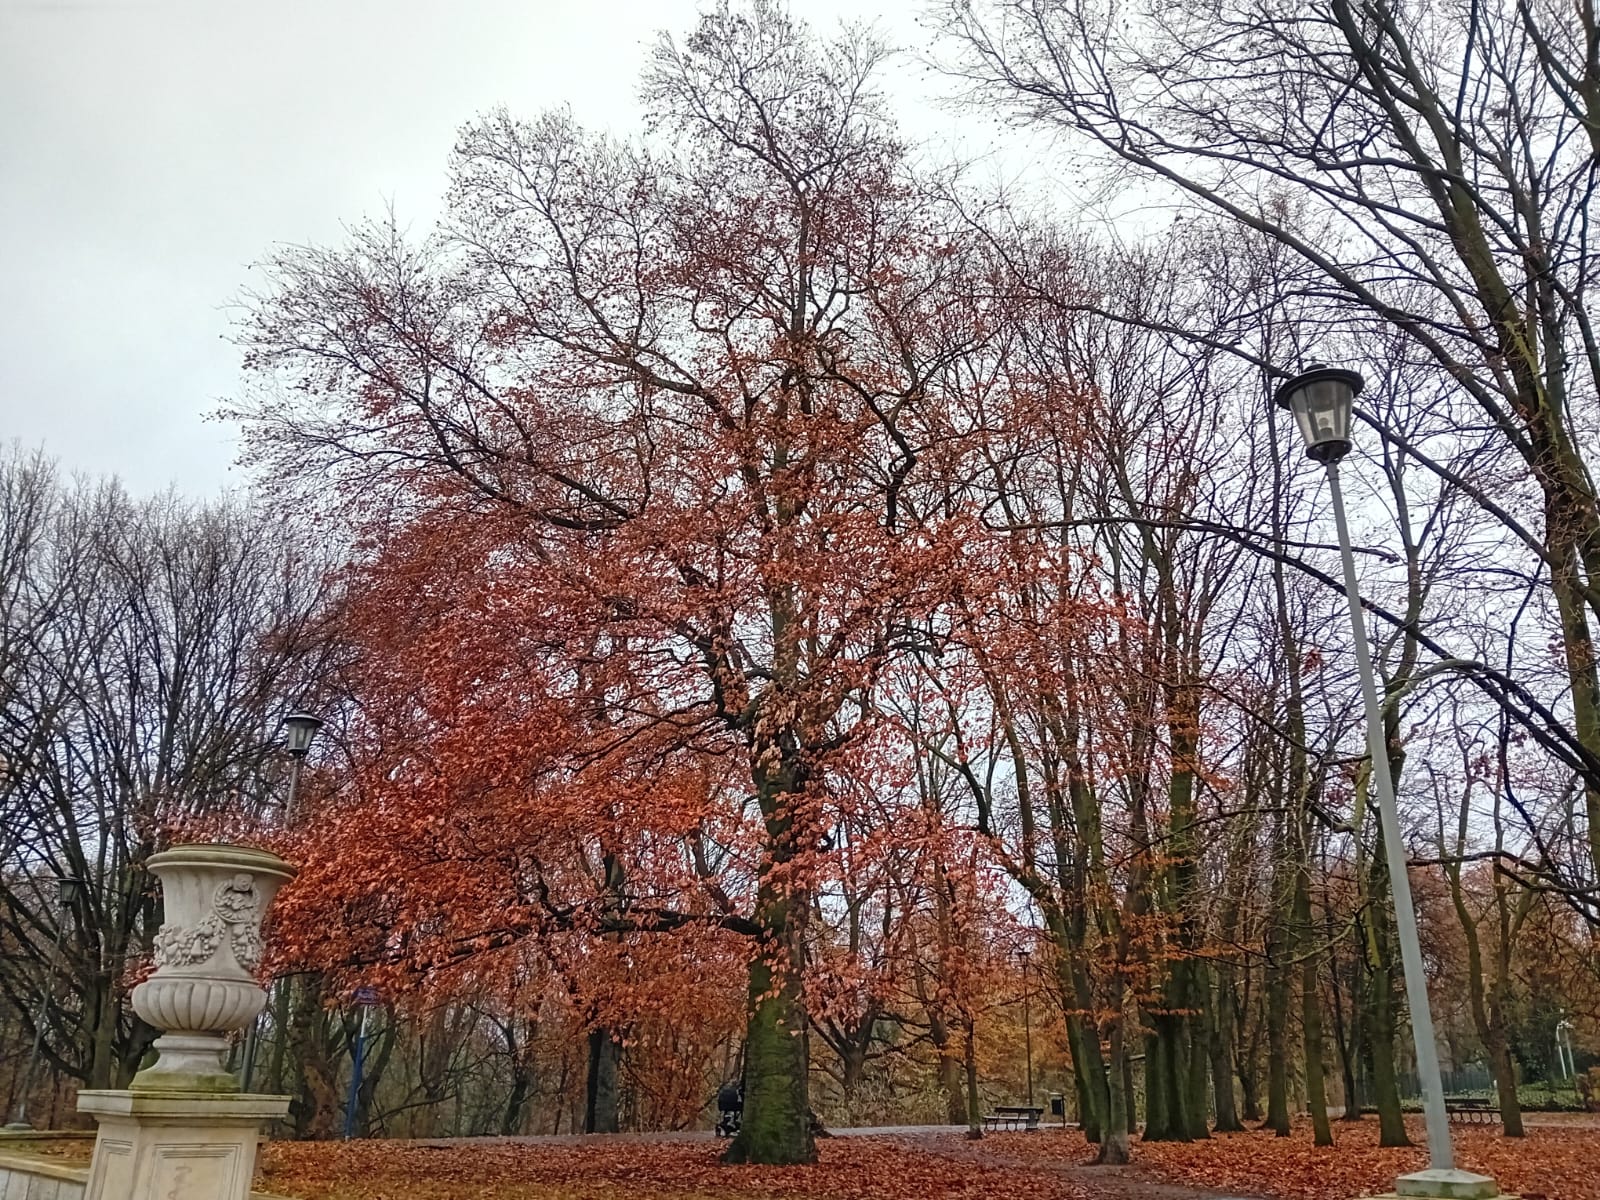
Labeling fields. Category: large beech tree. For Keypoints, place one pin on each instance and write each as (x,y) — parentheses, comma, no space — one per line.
(653,449)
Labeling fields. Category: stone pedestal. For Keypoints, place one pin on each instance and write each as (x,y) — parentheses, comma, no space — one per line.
(1454,1184)
(176,1146)
(184,1131)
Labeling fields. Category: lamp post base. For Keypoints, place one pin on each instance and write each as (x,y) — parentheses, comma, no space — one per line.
(175,1146)
(1452,1184)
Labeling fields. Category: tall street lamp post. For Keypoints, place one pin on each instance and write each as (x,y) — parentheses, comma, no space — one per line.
(1322,399)
(1564,1062)
(1027,1023)
(299,728)
(67,889)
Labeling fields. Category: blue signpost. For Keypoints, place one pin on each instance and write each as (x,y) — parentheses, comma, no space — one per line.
(367,998)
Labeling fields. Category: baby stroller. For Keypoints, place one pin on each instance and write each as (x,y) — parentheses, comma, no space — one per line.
(730,1107)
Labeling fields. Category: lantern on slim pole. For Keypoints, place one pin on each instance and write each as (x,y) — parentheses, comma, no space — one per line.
(1322,400)
(299,728)
(67,890)
(1027,1023)
(1564,1063)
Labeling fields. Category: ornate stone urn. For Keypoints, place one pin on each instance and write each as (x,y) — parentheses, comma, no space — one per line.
(206,956)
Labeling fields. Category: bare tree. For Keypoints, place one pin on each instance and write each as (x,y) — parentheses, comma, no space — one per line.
(1429,166)
(147,650)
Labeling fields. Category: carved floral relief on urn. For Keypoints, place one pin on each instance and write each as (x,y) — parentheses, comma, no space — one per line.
(206,955)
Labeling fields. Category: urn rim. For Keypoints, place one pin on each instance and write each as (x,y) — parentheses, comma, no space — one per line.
(222,855)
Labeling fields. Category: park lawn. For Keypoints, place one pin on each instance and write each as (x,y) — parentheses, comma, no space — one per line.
(629,1169)
(1551,1163)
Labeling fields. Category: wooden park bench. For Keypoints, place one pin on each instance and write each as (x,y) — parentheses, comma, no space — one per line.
(1471,1109)
(1013,1116)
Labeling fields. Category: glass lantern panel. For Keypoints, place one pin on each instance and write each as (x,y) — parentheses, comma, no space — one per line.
(300,728)
(1322,410)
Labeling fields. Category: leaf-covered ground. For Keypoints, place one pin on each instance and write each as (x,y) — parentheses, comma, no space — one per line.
(637,1169)
(1552,1163)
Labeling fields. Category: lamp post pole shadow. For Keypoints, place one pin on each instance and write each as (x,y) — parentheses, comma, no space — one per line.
(1322,399)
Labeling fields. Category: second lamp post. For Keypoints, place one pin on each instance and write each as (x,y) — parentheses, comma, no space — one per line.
(298,730)
(67,891)
(1322,400)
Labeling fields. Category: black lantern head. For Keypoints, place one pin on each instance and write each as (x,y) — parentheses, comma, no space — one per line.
(1321,400)
(299,728)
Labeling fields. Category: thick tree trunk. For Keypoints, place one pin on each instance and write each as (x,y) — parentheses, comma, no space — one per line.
(1277,1048)
(950,1082)
(1250,1056)
(379,1052)
(315,1108)
(282,996)
(1157,1089)
(1569,506)
(1487,1005)
(1278,973)
(1222,1049)
(975,1114)
(1181,1076)
(1131,1093)
(1378,1020)
(1495,1040)
(1115,1143)
(601,1093)
(852,1048)
(949,1070)
(1505,1082)
(1311,1005)
(516,1100)
(1346,1040)
(1378,1002)
(775,1128)
(1088,1063)
(1196,1058)
(970,1059)
(1168,1078)
(103,1064)
(776,1125)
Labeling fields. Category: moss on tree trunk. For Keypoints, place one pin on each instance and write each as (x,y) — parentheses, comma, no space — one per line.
(776,1125)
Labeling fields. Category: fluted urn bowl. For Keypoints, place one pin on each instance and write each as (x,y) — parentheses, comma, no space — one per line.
(206,954)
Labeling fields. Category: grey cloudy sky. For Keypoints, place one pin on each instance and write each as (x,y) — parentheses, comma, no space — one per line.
(150,150)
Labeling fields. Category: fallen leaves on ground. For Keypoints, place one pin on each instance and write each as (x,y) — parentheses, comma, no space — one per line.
(626,1169)
(1551,1163)
(75,1151)
(1554,1162)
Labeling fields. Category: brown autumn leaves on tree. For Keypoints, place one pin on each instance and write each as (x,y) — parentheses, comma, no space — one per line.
(779,560)
(689,422)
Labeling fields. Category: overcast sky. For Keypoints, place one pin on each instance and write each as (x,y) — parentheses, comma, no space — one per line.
(150,150)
